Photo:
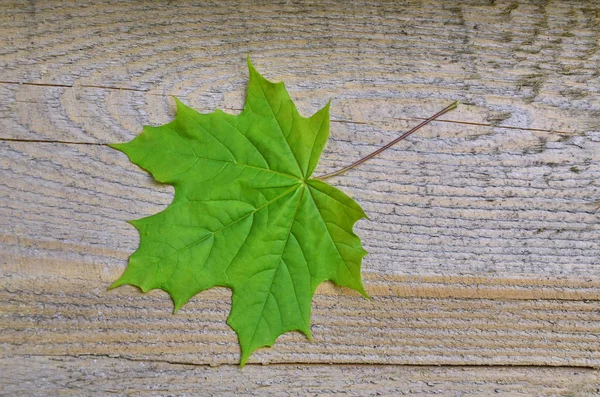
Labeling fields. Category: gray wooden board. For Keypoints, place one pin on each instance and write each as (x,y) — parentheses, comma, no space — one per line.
(98,375)
(483,231)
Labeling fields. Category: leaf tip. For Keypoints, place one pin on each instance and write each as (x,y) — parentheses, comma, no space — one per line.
(251,67)
(363,215)
(243,359)
(116,284)
(117,146)
(257,77)
(325,109)
(363,292)
(308,335)
(177,302)
(179,105)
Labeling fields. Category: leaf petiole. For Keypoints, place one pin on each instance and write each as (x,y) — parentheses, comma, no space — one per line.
(392,143)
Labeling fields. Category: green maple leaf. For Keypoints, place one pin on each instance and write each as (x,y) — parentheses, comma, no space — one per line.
(246,214)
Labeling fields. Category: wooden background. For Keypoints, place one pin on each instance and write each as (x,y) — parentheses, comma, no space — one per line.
(484,254)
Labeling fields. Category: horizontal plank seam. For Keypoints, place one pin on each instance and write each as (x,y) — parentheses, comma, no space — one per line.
(534,297)
(290,363)
(454,298)
(78,85)
(508,127)
(400,279)
(51,141)
(236,109)
(394,283)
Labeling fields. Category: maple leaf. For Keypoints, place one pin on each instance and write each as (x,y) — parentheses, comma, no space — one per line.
(246,213)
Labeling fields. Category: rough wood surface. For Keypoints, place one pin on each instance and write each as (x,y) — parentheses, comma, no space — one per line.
(509,215)
(484,229)
(57,315)
(70,376)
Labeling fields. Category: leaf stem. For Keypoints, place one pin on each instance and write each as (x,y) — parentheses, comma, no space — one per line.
(392,143)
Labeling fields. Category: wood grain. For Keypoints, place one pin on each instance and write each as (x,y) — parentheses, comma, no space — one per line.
(485,214)
(483,231)
(97,375)
(57,315)
(526,64)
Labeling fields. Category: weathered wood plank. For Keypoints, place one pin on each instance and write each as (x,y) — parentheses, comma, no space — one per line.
(58,315)
(484,227)
(525,64)
(488,214)
(65,240)
(72,376)
(99,115)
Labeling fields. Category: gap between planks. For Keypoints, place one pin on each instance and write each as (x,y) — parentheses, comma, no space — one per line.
(371,122)
(308,364)
(68,375)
